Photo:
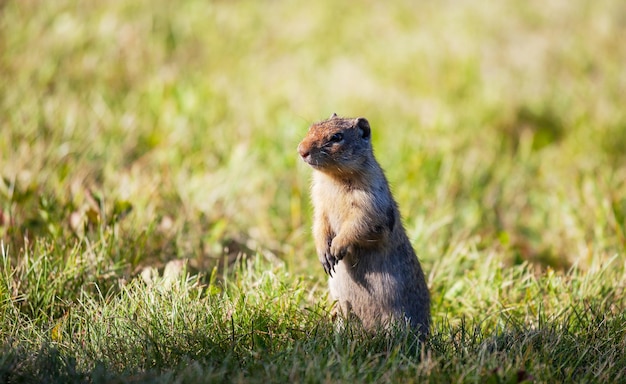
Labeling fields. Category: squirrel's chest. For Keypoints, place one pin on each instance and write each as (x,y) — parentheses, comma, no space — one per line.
(339,202)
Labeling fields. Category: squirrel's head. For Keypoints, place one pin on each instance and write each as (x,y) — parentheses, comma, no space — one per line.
(337,145)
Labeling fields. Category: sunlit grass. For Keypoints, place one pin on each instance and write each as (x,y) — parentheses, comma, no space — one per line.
(134,134)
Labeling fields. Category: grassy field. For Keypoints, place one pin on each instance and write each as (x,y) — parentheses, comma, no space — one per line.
(155,217)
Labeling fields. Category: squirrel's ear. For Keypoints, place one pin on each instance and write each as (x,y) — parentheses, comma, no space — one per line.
(332,116)
(364,126)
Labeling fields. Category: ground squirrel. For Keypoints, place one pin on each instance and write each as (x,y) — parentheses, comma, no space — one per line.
(373,270)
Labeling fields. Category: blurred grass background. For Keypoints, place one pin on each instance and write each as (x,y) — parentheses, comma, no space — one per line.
(502,121)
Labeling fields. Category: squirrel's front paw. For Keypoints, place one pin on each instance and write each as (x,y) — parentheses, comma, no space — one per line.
(339,249)
(327,259)
(328,262)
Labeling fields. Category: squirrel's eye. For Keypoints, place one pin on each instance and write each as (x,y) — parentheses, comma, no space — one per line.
(337,137)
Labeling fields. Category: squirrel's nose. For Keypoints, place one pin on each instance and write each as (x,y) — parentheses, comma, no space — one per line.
(303,153)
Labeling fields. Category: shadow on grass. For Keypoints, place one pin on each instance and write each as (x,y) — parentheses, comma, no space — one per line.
(580,345)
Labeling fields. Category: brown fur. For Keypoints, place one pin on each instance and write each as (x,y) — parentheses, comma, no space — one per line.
(373,270)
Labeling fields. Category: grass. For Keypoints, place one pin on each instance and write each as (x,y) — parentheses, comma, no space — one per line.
(155,219)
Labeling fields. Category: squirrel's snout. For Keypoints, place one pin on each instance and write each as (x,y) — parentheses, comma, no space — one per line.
(303,152)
